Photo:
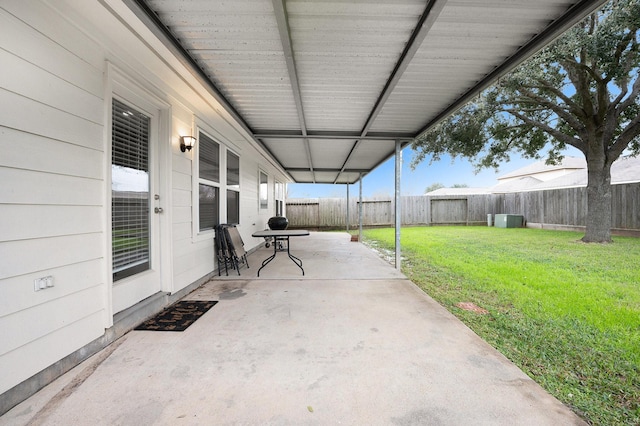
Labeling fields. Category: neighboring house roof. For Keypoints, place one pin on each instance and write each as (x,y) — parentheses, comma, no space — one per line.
(626,170)
(459,191)
(540,169)
(623,170)
(523,183)
(571,180)
(536,177)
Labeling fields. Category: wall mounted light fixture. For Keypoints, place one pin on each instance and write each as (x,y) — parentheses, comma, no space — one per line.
(186,143)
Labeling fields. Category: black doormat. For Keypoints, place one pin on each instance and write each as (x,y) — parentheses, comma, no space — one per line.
(178,316)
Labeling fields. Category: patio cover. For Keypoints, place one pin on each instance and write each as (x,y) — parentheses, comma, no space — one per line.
(326,88)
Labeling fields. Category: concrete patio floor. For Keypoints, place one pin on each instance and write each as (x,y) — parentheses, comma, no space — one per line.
(351,342)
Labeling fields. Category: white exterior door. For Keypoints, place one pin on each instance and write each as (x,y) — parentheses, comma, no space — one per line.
(136,203)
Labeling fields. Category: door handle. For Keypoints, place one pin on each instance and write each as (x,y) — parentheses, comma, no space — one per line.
(158,210)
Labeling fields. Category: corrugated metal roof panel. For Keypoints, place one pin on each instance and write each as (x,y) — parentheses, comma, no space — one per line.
(352,67)
(345,52)
(291,152)
(326,153)
(466,42)
(238,46)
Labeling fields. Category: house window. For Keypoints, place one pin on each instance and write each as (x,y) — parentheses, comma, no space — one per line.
(208,182)
(263,191)
(279,196)
(233,188)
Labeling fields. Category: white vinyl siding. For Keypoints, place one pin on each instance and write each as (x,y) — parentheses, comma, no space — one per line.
(52,192)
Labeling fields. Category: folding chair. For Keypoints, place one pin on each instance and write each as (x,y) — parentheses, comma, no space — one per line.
(235,247)
(222,250)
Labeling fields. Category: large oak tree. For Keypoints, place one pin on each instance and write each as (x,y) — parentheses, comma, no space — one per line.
(583,90)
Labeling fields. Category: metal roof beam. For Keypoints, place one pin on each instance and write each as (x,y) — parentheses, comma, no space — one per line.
(573,15)
(282,19)
(426,21)
(328,170)
(284,134)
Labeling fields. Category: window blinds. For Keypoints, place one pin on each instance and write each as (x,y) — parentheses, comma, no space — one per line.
(129,191)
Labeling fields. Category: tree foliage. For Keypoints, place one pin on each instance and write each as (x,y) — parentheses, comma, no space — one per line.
(433,187)
(581,91)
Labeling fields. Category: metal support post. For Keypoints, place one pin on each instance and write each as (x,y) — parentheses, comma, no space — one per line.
(398,213)
(360,211)
(348,207)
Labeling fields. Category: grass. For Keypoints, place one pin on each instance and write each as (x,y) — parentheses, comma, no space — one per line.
(567,313)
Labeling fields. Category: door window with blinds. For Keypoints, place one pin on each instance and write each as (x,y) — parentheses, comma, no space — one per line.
(208,182)
(130,206)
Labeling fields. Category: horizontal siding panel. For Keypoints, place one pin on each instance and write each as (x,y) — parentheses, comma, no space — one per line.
(24,114)
(181,214)
(53,25)
(22,222)
(38,49)
(188,246)
(48,253)
(17,293)
(47,155)
(181,181)
(181,231)
(181,163)
(51,348)
(188,277)
(35,83)
(181,197)
(27,187)
(200,262)
(57,314)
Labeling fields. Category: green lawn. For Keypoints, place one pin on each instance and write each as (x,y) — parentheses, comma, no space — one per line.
(567,313)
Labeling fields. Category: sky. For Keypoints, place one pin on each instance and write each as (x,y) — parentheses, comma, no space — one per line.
(381,181)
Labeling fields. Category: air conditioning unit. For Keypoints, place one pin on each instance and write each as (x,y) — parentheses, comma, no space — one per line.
(509,221)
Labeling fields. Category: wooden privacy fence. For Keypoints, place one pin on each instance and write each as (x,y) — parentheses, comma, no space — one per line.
(556,208)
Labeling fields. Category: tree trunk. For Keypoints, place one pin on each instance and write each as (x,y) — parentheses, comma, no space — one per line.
(598,203)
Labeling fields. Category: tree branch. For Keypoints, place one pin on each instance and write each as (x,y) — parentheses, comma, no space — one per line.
(573,107)
(631,131)
(577,76)
(560,136)
(635,91)
(568,117)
